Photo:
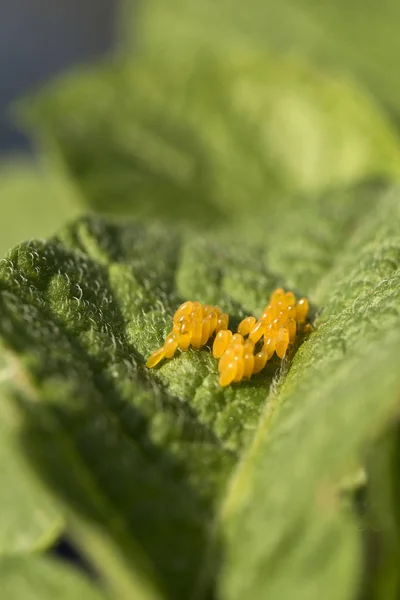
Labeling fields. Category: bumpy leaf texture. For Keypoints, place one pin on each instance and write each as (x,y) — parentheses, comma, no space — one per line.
(169,483)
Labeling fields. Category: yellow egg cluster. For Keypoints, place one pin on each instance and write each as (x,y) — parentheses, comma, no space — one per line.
(192,325)
(246,352)
(277,326)
(236,357)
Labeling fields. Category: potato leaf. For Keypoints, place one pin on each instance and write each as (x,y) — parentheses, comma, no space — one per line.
(165,478)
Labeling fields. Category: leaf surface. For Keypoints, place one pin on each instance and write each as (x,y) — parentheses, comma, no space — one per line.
(37,578)
(342,387)
(29,518)
(167,467)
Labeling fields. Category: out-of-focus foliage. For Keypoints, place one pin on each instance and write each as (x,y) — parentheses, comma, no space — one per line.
(234,133)
(34,578)
(256,145)
(382,518)
(358,37)
(34,201)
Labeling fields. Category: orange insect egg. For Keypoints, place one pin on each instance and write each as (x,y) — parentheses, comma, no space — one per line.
(186,326)
(291,311)
(248,358)
(238,349)
(228,374)
(185,335)
(197,334)
(292,328)
(170,345)
(184,341)
(282,342)
(239,368)
(280,307)
(197,311)
(275,325)
(246,325)
(269,327)
(237,339)
(227,357)
(155,358)
(213,317)
(184,310)
(257,332)
(248,363)
(308,328)
(221,342)
(207,309)
(205,331)
(270,344)
(302,310)
(290,299)
(223,322)
(260,360)
(282,316)
(248,345)
(268,314)
(277,295)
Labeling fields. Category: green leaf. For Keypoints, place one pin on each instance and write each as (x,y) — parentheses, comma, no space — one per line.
(36,578)
(382,518)
(35,202)
(77,318)
(238,132)
(29,517)
(341,389)
(168,481)
(308,542)
(336,34)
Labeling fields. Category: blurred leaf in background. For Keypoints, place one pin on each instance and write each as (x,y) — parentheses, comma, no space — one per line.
(207,141)
(34,578)
(206,120)
(34,201)
(358,37)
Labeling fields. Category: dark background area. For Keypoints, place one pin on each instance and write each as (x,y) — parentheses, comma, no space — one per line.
(41,38)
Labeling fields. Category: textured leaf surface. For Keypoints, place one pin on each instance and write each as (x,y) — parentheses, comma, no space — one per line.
(341,388)
(35,578)
(237,132)
(84,314)
(308,531)
(178,475)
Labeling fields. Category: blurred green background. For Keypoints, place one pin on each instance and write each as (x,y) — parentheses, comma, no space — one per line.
(202,112)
